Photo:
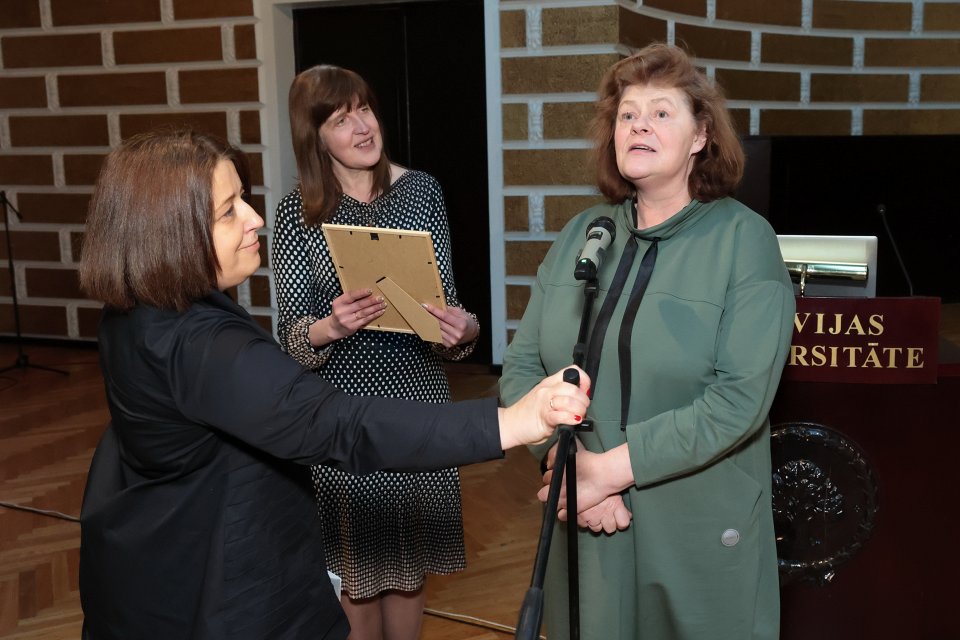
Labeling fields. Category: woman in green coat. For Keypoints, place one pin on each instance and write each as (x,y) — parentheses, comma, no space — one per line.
(676,535)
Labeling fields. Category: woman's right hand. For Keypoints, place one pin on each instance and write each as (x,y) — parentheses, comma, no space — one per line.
(600,479)
(352,311)
(533,418)
(610,515)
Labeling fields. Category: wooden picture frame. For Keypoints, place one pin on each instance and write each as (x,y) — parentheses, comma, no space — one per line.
(398,264)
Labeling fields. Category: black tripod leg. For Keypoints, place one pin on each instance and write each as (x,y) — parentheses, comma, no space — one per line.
(40,366)
(22,362)
(531,612)
(573,553)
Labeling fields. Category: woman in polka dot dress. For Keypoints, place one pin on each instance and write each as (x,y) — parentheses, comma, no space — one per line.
(382,532)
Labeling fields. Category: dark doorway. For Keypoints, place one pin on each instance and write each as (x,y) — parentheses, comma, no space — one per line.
(425,62)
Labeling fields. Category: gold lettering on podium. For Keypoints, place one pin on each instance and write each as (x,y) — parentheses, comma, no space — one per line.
(865,340)
(871,355)
(838,324)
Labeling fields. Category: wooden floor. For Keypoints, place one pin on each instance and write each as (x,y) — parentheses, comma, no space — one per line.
(49,426)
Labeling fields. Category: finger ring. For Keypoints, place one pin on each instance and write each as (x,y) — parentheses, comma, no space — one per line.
(552,408)
(356,315)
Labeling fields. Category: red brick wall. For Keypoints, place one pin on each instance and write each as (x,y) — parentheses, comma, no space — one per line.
(78,77)
(789,67)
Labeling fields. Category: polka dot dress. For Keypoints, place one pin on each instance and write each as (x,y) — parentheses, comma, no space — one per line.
(384,530)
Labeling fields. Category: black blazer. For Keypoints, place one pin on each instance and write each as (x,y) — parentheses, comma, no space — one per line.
(198,520)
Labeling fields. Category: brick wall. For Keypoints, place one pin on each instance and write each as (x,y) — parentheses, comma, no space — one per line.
(790,67)
(77,77)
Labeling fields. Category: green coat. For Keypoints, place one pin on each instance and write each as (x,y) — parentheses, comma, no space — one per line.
(709,343)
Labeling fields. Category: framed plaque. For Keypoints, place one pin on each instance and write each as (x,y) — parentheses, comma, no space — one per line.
(398,264)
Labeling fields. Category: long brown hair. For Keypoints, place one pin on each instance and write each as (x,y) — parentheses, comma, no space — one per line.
(314,95)
(717,168)
(148,237)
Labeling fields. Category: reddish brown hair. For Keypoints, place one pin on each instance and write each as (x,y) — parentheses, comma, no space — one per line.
(717,168)
(314,95)
(148,237)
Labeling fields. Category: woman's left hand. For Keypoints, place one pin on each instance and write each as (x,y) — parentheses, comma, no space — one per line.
(456,325)
(600,477)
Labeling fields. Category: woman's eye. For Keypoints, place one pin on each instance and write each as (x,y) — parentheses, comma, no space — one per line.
(229,212)
(661,114)
(626,116)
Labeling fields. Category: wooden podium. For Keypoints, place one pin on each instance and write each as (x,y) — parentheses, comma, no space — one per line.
(865,441)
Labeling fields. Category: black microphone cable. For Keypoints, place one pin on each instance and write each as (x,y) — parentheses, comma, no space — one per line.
(43,512)
(882,210)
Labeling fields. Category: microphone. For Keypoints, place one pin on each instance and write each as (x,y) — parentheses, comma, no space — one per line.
(600,235)
(882,210)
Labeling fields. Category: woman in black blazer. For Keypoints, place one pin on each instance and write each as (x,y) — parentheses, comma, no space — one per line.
(198,519)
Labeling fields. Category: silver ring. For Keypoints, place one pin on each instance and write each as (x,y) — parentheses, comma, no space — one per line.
(552,408)
(356,315)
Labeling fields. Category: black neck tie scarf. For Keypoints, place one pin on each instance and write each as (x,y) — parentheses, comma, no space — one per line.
(592,364)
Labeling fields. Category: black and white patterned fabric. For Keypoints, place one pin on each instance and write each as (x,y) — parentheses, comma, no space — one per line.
(384,530)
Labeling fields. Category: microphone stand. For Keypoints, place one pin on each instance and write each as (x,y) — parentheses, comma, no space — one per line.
(531,611)
(22,361)
(882,210)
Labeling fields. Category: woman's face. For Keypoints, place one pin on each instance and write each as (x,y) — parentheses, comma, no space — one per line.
(352,138)
(234,228)
(656,137)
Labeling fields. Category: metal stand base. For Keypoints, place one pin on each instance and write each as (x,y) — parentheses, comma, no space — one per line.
(23,362)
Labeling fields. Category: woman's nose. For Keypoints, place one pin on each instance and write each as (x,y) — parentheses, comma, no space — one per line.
(254,221)
(359,124)
(640,124)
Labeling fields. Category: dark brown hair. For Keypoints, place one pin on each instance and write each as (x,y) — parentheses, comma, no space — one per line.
(717,168)
(314,95)
(148,237)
